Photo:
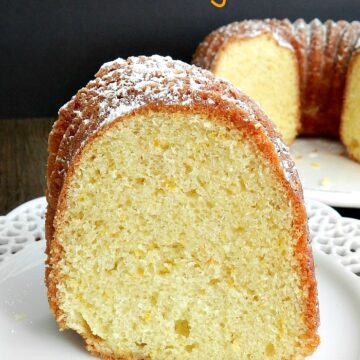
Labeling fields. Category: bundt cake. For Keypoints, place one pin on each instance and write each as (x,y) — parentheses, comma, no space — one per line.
(305,76)
(175,226)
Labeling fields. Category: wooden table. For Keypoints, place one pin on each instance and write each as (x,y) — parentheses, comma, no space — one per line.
(23,155)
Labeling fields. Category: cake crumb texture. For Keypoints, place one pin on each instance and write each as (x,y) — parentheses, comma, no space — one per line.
(221,286)
(176,227)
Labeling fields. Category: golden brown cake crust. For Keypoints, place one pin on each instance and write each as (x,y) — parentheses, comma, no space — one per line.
(126,88)
(328,111)
(323,52)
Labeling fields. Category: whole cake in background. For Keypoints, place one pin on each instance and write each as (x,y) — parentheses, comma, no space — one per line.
(306,76)
(176,227)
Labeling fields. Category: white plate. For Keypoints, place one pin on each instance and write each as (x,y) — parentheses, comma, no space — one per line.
(28,330)
(326,173)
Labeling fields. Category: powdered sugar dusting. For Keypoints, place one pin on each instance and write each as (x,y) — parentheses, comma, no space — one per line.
(253,28)
(123,86)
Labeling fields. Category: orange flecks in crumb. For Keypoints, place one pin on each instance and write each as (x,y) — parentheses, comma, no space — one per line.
(170,184)
(147,317)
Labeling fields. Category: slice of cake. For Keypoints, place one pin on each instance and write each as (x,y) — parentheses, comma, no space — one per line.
(176,227)
(306,76)
(260,58)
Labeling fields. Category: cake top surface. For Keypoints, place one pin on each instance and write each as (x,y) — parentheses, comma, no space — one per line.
(123,86)
(285,33)
(252,28)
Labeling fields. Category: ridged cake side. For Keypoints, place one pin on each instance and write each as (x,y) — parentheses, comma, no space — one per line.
(134,87)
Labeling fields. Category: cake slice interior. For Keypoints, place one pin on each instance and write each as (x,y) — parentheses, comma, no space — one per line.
(350,117)
(179,239)
(268,73)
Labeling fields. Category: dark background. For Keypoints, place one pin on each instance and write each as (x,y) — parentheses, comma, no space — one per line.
(49,49)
